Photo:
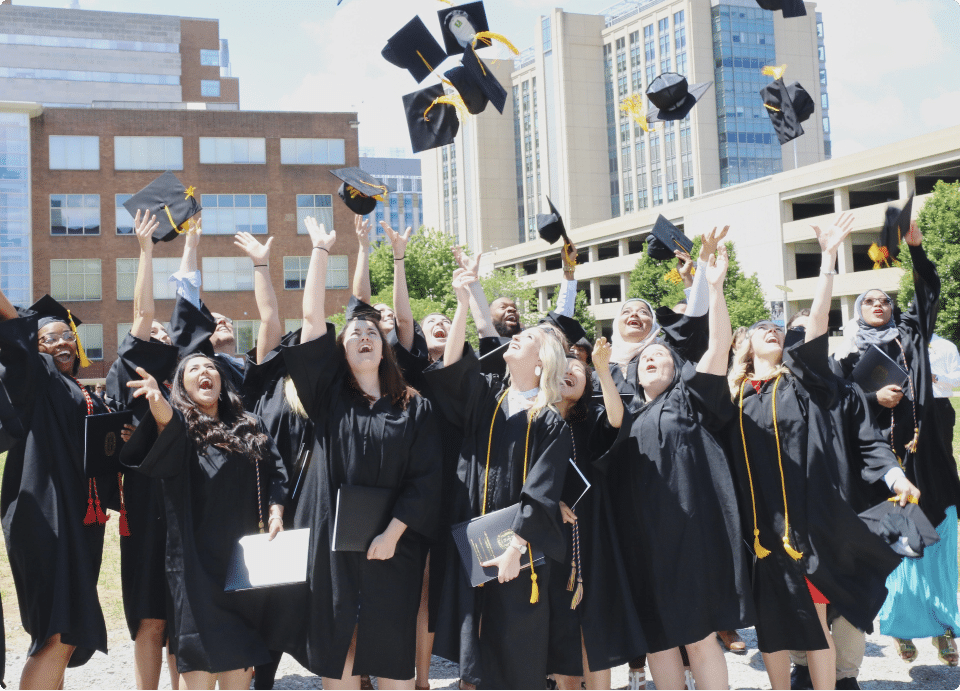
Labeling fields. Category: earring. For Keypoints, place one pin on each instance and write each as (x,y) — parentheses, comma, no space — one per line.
(537,370)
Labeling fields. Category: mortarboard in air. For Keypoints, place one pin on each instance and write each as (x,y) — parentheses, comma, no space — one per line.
(672,97)
(569,327)
(432,117)
(665,238)
(49,310)
(787,106)
(414,49)
(483,76)
(358,309)
(896,225)
(360,191)
(465,26)
(170,201)
(468,88)
(550,226)
(790,8)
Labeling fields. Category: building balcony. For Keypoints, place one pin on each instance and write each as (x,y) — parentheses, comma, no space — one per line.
(866,218)
(848,284)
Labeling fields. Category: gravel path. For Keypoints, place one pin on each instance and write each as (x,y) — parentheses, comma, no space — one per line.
(882,668)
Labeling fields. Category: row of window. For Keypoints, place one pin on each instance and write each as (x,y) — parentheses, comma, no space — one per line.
(90,76)
(95,43)
(71,152)
(223,214)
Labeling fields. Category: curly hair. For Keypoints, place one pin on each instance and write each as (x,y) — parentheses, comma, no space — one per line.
(392,383)
(236,431)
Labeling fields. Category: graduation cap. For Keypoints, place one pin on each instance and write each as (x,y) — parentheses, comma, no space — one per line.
(483,76)
(550,226)
(360,191)
(569,327)
(49,310)
(672,97)
(906,529)
(896,225)
(358,309)
(432,117)
(790,8)
(465,26)
(166,198)
(665,238)
(469,89)
(787,106)
(414,49)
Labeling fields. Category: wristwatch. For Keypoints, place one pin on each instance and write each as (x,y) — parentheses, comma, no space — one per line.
(520,548)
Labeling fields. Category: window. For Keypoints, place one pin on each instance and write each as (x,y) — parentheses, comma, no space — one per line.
(295,272)
(338,272)
(245,331)
(93,43)
(312,151)
(823,76)
(75,279)
(123,328)
(91,336)
(821,54)
(233,150)
(210,58)
(210,88)
(74,153)
(320,206)
(290,325)
(74,214)
(148,153)
(163,268)
(126,278)
(826,125)
(824,103)
(90,76)
(222,274)
(123,217)
(228,214)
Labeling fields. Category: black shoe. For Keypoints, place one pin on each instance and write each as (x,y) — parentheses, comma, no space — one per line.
(847,683)
(800,678)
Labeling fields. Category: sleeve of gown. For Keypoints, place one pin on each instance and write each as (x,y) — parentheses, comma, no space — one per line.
(418,505)
(24,371)
(688,335)
(874,450)
(412,362)
(11,428)
(809,363)
(278,482)
(492,359)
(314,366)
(538,520)
(709,394)
(160,456)
(458,390)
(159,359)
(191,328)
(922,315)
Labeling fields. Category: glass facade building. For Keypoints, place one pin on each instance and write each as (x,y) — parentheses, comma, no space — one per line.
(15,207)
(403,206)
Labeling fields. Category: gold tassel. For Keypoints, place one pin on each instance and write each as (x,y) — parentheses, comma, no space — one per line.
(910,500)
(454,100)
(910,446)
(774,71)
(634,107)
(567,262)
(534,589)
(758,549)
(84,362)
(577,595)
(769,107)
(673,276)
(879,255)
(794,554)
(573,576)
(486,37)
(354,193)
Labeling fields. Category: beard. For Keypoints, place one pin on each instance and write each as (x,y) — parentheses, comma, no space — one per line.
(507,330)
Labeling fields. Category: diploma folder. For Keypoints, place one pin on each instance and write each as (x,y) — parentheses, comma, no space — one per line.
(487,537)
(876,370)
(258,562)
(102,443)
(362,514)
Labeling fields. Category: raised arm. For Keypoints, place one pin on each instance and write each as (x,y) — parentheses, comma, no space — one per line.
(612,401)
(315,288)
(714,361)
(148,389)
(830,241)
(479,306)
(462,280)
(361,275)
(270,332)
(699,298)
(187,277)
(143,309)
(401,297)
(567,292)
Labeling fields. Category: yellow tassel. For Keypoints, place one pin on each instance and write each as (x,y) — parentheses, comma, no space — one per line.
(84,362)
(879,255)
(673,276)
(769,107)
(534,589)
(794,554)
(454,100)
(911,445)
(486,37)
(567,262)
(774,71)
(634,107)
(577,595)
(354,193)
(573,576)
(758,549)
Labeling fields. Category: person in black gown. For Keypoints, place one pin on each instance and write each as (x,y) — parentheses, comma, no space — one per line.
(515,451)
(53,515)
(370,430)
(810,548)
(222,476)
(593,623)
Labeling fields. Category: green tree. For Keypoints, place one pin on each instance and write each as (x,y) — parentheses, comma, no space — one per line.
(505,283)
(939,221)
(429,265)
(581,312)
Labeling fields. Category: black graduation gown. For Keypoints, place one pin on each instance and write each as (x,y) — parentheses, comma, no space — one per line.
(932,468)
(210,502)
(677,515)
(356,444)
(512,653)
(841,557)
(142,578)
(190,330)
(54,557)
(605,616)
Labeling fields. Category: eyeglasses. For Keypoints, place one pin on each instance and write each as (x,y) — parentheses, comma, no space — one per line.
(224,320)
(870,302)
(65,336)
(767,326)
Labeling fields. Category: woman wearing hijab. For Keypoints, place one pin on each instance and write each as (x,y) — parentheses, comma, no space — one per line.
(921,602)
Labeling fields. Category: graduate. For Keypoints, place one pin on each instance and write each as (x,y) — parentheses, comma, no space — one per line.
(809,547)
(921,602)
(593,623)
(53,515)
(222,479)
(676,507)
(370,430)
(516,448)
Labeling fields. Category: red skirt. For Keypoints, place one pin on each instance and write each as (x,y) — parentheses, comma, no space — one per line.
(818,597)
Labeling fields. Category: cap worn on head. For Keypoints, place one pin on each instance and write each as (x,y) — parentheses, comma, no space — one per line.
(414,49)
(49,310)
(787,107)
(665,238)
(569,327)
(790,8)
(432,118)
(360,191)
(672,97)
(358,309)
(550,226)
(170,201)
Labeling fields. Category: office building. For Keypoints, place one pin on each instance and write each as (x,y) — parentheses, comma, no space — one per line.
(403,205)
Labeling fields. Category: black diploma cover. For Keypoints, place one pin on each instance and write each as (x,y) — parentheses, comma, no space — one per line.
(487,537)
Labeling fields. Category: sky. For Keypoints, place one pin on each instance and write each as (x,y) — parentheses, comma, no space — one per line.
(893,65)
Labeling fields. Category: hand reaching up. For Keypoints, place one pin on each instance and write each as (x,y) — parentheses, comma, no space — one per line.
(362,227)
(710,241)
(259,253)
(717,268)
(319,237)
(192,234)
(144,225)
(831,239)
(465,261)
(601,354)
(397,241)
(462,280)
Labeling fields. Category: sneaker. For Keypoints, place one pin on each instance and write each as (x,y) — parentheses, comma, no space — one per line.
(800,677)
(637,680)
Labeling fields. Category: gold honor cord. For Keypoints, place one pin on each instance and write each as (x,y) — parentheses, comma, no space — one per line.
(758,549)
(84,361)
(534,589)
(633,106)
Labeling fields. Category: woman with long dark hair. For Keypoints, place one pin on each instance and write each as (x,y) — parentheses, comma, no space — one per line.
(222,479)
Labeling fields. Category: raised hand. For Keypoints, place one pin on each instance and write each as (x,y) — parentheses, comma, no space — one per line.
(143,225)
(569,257)
(259,253)
(319,237)
(710,241)
(362,227)
(717,268)
(914,237)
(192,234)
(465,261)
(831,239)
(684,267)
(397,241)
(462,280)
(148,389)
(601,354)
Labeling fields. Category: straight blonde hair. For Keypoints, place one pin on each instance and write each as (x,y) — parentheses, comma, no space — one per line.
(553,365)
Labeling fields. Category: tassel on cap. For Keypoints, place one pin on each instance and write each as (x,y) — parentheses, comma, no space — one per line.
(673,276)
(774,71)
(454,100)
(488,37)
(633,106)
(84,362)
(879,255)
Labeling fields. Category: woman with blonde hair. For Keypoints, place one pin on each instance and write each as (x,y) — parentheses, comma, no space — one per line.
(515,452)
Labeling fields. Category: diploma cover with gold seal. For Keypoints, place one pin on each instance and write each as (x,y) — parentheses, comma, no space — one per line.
(487,537)
(102,443)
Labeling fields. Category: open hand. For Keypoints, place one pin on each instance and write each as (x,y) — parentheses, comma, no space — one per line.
(831,239)
(192,234)
(146,387)
(601,354)
(462,280)
(319,236)
(710,241)
(397,241)
(259,253)
(717,268)
(465,261)
(143,225)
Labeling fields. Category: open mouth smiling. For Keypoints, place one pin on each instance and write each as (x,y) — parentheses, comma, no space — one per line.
(365,348)
(206,384)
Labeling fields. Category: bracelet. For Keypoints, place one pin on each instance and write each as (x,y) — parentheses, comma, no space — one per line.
(258,266)
(399,259)
(317,247)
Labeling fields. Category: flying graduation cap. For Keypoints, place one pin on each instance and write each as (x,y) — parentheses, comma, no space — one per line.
(170,201)
(432,117)
(476,84)
(787,106)
(550,226)
(465,26)
(672,97)
(414,49)
(665,238)
(896,225)
(360,191)
(790,8)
